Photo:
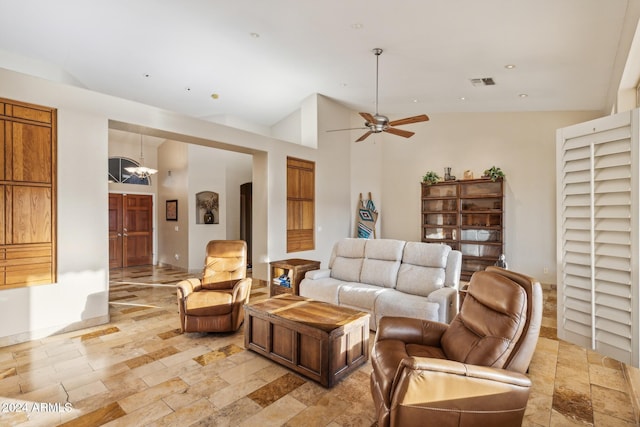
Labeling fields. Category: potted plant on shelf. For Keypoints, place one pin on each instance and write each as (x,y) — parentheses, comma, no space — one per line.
(430,178)
(494,173)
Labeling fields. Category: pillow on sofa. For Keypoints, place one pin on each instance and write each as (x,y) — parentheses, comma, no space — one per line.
(423,268)
(346,259)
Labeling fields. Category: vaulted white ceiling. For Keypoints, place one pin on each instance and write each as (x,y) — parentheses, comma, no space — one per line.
(263,57)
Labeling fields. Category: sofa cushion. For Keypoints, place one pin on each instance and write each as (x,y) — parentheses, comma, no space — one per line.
(426,254)
(395,303)
(346,259)
(423,268)
(359,295)
(381,262)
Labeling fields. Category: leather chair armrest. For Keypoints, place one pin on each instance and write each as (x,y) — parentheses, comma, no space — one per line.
(187,286)
(457,387)
(409,330)
(242,289)
(460,369)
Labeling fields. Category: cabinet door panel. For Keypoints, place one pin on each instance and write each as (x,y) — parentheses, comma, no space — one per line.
(31,153)
(31,215)
(3,143)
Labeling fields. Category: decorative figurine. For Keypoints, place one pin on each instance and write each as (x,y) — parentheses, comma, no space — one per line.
(502,262)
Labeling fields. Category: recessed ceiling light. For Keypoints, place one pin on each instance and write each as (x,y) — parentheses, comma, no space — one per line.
(522,95)
(462,98)
(510,66)
(415,100)
(215,96)
(357,26)
(255,35)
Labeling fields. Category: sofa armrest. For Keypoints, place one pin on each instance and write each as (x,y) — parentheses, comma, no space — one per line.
(410,330)
(318,274)
(459,387)
(453,269)
(447,300)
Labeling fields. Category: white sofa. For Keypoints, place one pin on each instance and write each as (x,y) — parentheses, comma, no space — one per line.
(387,277)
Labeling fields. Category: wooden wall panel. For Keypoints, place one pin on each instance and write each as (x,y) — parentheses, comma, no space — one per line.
(27,194)
(300,205)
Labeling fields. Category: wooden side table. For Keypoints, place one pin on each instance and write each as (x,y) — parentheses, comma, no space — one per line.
(292,271)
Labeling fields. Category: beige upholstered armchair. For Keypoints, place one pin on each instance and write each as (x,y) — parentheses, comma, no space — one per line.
(215,303)
(468,373)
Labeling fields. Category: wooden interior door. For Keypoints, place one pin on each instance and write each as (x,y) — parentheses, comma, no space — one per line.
(115,231)
(130,230)
(246,194)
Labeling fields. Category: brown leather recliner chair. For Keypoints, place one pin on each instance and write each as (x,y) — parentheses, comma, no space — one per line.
(468,373)
(215,303)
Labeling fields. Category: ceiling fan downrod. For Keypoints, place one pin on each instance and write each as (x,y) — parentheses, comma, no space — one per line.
(377,51)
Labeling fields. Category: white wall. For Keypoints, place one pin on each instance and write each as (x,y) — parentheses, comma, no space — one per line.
(206,173)
(522,144)
(173,236)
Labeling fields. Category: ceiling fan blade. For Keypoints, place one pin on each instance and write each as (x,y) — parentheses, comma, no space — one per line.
(362,138)
(399,132)
(368,117)
(409,120)
(338,130)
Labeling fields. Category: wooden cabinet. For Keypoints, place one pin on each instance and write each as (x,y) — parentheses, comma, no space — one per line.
(28,194)
(468,216)
(287,274)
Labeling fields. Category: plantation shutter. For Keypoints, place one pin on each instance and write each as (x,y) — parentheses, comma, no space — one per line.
(597,235)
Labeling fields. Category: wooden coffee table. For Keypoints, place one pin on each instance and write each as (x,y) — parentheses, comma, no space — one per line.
(321,341)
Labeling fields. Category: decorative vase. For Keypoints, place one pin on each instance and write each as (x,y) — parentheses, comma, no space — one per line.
(208,217)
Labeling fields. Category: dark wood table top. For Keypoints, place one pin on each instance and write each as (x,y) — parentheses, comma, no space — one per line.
(317,314)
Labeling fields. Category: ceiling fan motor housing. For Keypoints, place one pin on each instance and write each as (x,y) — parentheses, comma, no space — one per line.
(379,125)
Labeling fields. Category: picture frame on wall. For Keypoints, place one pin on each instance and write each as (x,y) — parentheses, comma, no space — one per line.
(172,210)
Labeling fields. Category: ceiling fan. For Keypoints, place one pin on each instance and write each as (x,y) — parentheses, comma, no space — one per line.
(377,123)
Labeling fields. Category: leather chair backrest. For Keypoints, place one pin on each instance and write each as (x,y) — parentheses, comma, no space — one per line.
(521,355)
(490,323)
(225,260)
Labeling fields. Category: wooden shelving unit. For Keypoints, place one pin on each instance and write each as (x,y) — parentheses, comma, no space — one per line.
(467,215)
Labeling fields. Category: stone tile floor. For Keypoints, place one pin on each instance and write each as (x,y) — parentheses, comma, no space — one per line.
(140,370)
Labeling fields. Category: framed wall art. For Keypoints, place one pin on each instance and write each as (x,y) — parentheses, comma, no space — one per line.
(172,210)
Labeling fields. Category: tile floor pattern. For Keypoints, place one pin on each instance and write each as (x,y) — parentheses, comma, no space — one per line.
(140,370)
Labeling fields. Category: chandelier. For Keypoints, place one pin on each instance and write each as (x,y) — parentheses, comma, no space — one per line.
(140,170)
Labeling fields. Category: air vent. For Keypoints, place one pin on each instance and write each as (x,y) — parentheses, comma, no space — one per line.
(485,81)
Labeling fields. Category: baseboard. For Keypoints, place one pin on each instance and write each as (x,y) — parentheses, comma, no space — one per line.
(54,330)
